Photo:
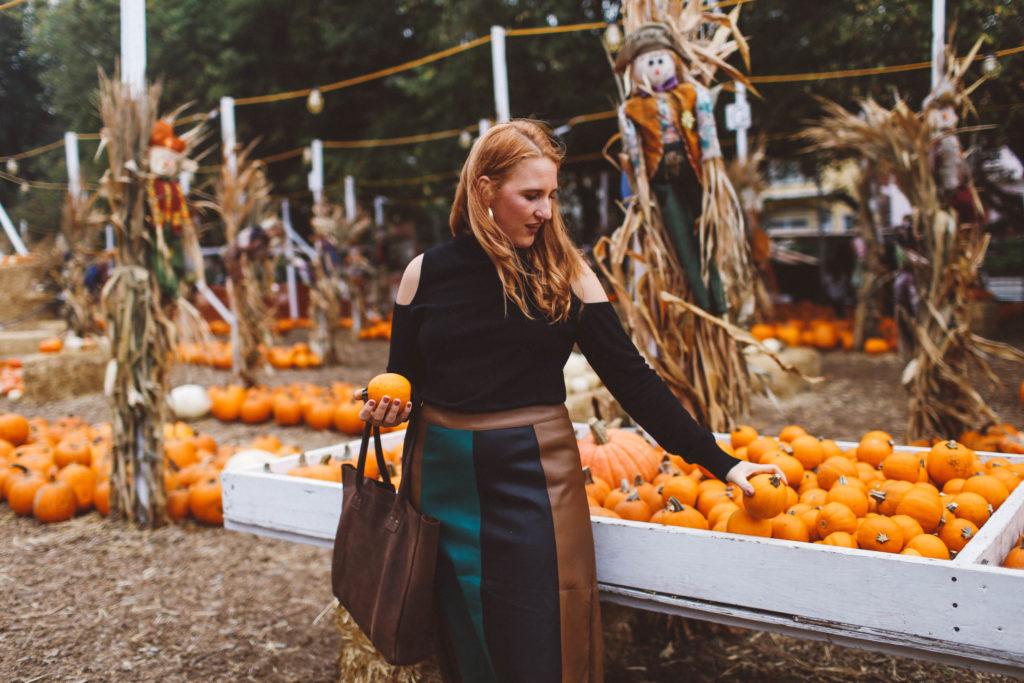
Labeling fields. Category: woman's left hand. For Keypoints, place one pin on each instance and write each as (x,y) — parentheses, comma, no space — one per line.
(744,470)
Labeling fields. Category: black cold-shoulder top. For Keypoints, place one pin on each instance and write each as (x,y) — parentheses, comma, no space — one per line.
(464,350)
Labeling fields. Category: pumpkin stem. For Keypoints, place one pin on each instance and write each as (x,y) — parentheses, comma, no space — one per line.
(638,481)
(326,460)
(624,486)
(775,480)
(878,495)
(882,538)
(952,507)
(674,505)
(266,467)
(599,430)
(588,476)
(633,496)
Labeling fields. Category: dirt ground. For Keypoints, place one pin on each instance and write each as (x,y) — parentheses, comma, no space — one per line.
(92,600)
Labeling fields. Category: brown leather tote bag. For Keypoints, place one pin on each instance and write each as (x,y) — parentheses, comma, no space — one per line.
(385,552)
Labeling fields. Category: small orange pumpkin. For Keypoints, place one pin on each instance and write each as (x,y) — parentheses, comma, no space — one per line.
(742,522)
(929,545)
(678,514)
(205,502)
(881,534)
(949,460)
(769,499)
(957,532)
(54,502)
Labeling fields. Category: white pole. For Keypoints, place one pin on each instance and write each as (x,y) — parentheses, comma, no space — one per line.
(500,70)
(133,45)
(316,174)
(485,124)
(741,129)
(602,200)
(350,198)
(378,209)
(12,234)
(109,234)
(74,170)
(289,253)
(938,40)
(227,133)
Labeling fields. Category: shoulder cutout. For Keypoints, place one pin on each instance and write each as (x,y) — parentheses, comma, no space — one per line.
(410,282)
(588,288)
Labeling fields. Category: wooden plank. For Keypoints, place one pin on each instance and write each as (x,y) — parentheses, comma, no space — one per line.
(996,537)
(973,605)
(850,635)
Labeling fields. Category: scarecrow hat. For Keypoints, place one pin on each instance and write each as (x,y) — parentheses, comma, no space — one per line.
(646,38)
(163,136)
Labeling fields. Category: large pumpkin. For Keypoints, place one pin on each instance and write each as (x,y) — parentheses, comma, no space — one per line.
(950,460)
(615,454)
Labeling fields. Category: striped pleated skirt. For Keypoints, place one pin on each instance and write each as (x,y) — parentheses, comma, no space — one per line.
(516,582)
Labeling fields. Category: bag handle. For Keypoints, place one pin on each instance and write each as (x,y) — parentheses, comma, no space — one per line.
(408,449)
(382,466)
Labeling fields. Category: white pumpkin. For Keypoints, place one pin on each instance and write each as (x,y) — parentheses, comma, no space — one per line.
(249,458)
(578,385)
(189,401)
(576,365)
(772,344)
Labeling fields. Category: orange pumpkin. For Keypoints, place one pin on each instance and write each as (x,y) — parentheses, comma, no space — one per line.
(320,414)
(873,450)
(205,502)
(51,345)
(648,492)
(988,486)
(957,532)
(389,384)
(721,512)
(790,527)
(256,409)
(923,506)
(834,517)
(908,525)
(615,454)
(840,539)
(881,534)
(808,450)
(181,452)
(101,497)
(82,481)
(903,465)
(678,514)
(833,468)
(759,447)
(742,435)
(603,512)
(875,346)
(742,522)
(14,428)
(20,489)
(949,460)
(598,488)
(929,545)
(54,501)
(790,432)
(287,411)
(970,506)
(634,507)
(73,448)
(682,488)
(850,495)
(769,499)
(346,418)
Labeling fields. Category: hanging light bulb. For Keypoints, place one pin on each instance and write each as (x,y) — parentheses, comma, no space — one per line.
(613,37)
(12,166)
(990,66)
(307,155)
(315,101)
(24,188)
(465,139)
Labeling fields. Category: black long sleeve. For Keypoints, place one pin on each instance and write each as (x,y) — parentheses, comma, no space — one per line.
(403,354)
(642,393)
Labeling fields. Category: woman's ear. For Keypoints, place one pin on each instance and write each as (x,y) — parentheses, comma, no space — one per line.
(486,187)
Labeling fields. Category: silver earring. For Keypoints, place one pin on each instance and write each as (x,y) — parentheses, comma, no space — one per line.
(490,212)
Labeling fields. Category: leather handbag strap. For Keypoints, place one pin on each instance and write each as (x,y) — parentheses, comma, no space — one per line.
(408,451)
(382,465)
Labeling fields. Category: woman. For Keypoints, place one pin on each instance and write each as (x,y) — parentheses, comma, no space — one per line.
(482,328)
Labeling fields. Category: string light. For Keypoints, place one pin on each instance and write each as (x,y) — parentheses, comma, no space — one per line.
(315,101)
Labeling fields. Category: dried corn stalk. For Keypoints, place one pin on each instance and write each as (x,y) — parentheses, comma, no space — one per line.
(749,182)
(241,199)
(900,141)
(868,311)
(698,355)
(80,227)
(141,335)
(333,235)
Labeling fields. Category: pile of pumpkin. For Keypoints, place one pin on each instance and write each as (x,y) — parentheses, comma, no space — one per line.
(55,471)
(999,438)
(380,329)
(218,355)
(826,335)
(295,404)
(12,381)
(871,496)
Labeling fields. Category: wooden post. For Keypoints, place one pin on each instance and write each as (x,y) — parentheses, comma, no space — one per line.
(289,254)
(316,174)
(499,68)
(133,45)
(74,170)
(229,141)
(938,40)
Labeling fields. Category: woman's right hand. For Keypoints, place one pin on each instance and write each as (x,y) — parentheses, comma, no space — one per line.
(388,413)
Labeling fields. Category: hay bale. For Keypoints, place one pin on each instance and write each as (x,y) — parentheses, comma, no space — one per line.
(25,341)
(765,372)
(22,288)
(53,376)
(359,662)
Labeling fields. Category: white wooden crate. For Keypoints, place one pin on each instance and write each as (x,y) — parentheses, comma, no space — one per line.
(967,612)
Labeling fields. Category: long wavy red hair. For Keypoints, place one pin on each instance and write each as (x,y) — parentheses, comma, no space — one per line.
(553,261)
